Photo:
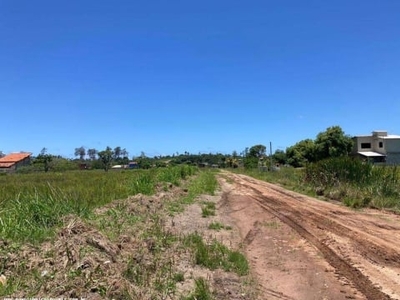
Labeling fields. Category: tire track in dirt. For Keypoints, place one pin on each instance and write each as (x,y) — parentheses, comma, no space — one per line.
(361,282)
(374,250)
(296,220)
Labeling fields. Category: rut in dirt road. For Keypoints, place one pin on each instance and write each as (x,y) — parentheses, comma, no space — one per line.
(376,250)
(361,282)
(369,241)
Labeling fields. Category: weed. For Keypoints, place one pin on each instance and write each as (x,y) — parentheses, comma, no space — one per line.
(208,209)
(202,291)
(216,255)
(216,226)
(179,277)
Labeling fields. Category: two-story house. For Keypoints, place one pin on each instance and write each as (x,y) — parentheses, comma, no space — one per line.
(380,147)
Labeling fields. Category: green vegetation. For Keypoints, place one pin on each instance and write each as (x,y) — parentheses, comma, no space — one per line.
(291,178)
(205,183)
(355,183)
(216,255)
(106,157)
(32,205)
(332,142)
(208,209)
(327,170)
(129,233)
(218,226)
(202,291)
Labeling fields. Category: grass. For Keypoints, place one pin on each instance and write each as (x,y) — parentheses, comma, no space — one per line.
(218,226)
(356,183)
(147,271)
(32,205)
(202,291)
(353,182)
(205,183)
(215,255)
(208,209)
(287,176)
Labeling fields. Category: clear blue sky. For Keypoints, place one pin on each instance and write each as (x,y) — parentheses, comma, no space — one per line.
(198,76)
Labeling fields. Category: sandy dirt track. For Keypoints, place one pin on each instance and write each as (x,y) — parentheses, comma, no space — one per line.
(304,248)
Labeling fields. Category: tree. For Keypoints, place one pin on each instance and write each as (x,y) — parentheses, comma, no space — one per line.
(235,154)
(301,153)
(124,153)
(143,161)
(106,157)
(81,152)
(257,151)
(117,152)
(2,154)
(280,157)
(92,153)
(333,142)
(45,159)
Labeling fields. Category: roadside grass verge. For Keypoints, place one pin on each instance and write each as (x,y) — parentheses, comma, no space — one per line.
(355,183)
(204,183)
(122,250)
(32,205)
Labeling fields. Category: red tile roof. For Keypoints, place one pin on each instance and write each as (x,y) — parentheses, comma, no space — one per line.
(6,165)
(14,157)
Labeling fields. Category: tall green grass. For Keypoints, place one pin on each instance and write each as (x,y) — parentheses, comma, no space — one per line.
(356,183)
(352,181)
(32,205)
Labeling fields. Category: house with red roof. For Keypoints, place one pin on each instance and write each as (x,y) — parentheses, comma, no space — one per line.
(12,161)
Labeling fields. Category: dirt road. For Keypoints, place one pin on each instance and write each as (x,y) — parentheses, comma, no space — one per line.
(303,248)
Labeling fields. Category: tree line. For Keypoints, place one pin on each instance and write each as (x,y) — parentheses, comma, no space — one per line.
(332,142)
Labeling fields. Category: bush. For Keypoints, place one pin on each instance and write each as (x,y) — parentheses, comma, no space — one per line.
(357,183)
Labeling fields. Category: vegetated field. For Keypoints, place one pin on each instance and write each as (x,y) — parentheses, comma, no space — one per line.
(32,204)
(123,235)
(353,182)
(180,233)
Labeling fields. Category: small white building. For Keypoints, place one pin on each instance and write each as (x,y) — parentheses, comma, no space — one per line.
(380,147)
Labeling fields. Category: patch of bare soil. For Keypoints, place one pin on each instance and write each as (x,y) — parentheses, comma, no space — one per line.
(129,249)
(303,248)
(225,285)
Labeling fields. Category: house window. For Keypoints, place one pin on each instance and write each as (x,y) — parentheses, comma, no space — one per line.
(380,144)
(365,145)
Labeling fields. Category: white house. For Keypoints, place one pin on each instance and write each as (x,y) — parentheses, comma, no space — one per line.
(380,147)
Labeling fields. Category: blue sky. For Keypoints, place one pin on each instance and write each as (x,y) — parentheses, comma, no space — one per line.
(199,76)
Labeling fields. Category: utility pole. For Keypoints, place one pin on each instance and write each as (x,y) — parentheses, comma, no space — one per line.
(270,151)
